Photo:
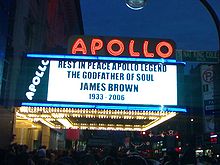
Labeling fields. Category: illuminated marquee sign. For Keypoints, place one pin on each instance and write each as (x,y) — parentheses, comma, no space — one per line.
(112,83)
(91,83)
(115,46)
(103,73)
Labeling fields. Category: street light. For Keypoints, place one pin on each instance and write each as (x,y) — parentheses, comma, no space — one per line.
(214,17)
(135,4)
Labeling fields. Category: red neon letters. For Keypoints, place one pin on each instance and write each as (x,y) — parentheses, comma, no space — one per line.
(131,49)
(96,44)
(79,46)
(115,52)
(117,47)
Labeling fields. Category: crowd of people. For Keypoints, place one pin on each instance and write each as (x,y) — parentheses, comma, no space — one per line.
(20,155)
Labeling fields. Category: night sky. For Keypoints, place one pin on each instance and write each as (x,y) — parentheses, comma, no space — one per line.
(186,22)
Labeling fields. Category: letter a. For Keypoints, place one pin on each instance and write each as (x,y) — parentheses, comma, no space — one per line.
(79,46)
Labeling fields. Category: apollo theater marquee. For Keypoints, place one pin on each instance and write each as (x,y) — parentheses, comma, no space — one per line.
(102,83)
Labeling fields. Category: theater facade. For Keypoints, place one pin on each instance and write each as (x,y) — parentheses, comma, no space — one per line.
(102,83)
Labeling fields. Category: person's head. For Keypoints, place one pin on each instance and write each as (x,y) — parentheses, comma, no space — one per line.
(172,155)
(44,147)
(206,160)
(134,160)
(41,153)
(109,160)
(24,148)
(88,159)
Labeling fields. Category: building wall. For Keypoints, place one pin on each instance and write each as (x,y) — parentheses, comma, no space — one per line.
(6,114)
(4,9)
(6,127)
(36,26)
(19,42)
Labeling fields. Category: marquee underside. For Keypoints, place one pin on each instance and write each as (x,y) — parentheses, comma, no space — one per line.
(93,119)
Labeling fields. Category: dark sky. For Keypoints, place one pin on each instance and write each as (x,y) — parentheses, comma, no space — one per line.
(186,22)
